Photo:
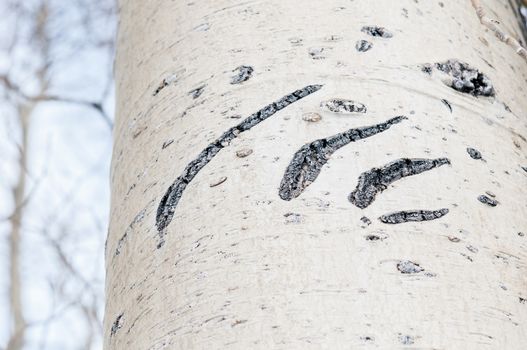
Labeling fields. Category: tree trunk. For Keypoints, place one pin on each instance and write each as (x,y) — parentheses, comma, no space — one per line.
(317,174)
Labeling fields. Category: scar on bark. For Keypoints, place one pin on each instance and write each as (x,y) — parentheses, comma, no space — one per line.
(376,31)
(409,267)
(168,203)
(117,324)
(308,161)
(377,180)
(412,216)
(244,74)
(463,77)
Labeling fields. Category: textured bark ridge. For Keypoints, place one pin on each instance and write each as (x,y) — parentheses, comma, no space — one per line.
(377,180)
(167,206)
(308,161)
(413,216)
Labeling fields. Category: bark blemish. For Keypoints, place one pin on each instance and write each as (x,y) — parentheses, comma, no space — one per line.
(166,82)
(308,161)
(377,31)
(244,74)
(117,324)
(167,143)
(487,200)
(474,153)
(317,53)
(465,78)
(365,220)
(195,93)
(447,104)
(170,199)
(242,153)
(363,45)
(409,267)
(412,216)
(293,218)
(406,339)
(339,105)
(218,181)
(137,219)
(377,180)
(373,237)
(311,117)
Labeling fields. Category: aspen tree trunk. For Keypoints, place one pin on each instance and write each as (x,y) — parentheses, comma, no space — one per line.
(318,175)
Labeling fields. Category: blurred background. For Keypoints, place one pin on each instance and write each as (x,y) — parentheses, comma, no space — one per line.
(56,117)
(56,113)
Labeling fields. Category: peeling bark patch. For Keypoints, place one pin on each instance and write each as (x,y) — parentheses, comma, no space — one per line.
(339,105)
(400,217)
(363,45)
(244,74)
(376,31)
(447,104)
(408,267)
(473,153)
(117,324)
(466,78)
(308,161)
(169,201)
(377,180)
(197,92)
(487,200)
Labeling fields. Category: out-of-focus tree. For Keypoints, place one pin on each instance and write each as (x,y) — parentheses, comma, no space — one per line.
(55,75)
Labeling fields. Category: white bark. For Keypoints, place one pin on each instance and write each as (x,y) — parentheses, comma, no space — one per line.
(239,267)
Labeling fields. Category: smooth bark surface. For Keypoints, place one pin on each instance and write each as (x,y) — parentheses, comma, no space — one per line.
(383,207)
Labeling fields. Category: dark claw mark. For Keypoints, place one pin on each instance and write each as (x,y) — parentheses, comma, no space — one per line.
(413,216)
(308,161)
(487,200)
(363,45)
(524,168)
(466,79)
(377,179)
(244,73)
(340,105)
(168,203)
(407,267)
(447,104)
(376,31)
(197,92)
(474,153)
(117,324)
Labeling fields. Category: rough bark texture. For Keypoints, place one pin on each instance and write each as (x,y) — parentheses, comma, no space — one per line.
(237,266)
